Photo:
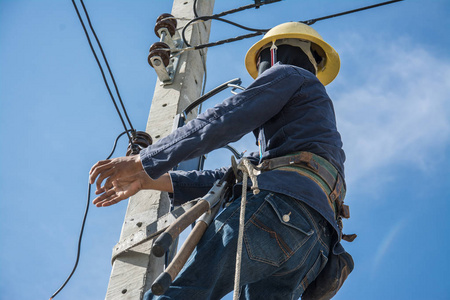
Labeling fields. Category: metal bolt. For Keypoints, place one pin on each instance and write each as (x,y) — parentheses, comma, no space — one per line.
(156,62)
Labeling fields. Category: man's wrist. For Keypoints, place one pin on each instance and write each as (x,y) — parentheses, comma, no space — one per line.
(138,163)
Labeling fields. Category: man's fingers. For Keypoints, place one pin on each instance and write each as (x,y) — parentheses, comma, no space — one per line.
(97,169)
(112,181)
(99,163)
(111,201)
(106,174)
(100,191)
(106,197)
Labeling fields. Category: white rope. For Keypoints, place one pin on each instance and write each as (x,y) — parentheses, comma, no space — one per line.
(248,170)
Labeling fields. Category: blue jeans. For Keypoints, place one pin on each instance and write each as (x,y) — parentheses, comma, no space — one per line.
(286,245)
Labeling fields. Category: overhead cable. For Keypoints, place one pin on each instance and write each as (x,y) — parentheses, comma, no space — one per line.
(262,31)
(312,21)
(257,4)
(79,245)
(101,70)
(83,224)
(207,18)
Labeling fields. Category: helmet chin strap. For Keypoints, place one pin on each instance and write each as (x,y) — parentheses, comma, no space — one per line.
(273,54)
(304,45)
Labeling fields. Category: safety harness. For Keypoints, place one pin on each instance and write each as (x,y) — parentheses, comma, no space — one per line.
(321,172)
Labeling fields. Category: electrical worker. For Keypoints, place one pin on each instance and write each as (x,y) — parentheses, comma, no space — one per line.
(292,225)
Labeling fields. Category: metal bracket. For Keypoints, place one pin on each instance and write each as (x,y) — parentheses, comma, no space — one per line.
(167,74)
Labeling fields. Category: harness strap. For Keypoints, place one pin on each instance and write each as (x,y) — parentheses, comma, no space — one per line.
(320,171)
(317,169)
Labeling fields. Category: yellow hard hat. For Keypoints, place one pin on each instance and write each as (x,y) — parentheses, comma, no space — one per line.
(327,70)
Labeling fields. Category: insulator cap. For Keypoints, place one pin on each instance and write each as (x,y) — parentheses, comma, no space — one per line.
(140,141)
(162,50)
(166,21)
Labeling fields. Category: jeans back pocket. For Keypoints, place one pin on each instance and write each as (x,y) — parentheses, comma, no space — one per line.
(277,230)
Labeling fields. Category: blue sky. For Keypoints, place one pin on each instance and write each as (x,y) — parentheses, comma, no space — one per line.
(56,121)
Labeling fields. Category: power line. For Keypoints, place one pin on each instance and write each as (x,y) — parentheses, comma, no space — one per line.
(79,245)
(312,21)
(107,65)
(127,131)
(263,31)
(257,4)
(84,223)
(101,69)
(207,18)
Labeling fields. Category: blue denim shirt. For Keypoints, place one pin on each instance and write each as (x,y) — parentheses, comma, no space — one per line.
(288,110)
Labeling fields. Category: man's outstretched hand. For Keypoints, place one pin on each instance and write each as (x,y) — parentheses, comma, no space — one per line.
(124,177)
(122,180)
(122,188)
(112,169)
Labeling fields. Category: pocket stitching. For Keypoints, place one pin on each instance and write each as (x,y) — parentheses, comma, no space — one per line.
(255,221)
(271,262)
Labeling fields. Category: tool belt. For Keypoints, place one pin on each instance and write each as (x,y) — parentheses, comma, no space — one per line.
(321,172)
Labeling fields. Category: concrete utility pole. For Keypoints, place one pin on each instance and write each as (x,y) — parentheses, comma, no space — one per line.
(134,271)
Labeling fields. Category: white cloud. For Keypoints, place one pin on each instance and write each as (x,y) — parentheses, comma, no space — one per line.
(392,105)
(388,242)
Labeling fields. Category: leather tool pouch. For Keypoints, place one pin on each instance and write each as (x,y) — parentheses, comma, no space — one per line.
(331,278)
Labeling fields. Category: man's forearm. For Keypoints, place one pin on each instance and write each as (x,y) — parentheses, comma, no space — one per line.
(163,183)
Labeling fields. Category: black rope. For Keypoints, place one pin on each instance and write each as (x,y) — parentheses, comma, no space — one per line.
(101,70)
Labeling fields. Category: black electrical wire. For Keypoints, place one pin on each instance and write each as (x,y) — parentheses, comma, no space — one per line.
(312,21)
(107,65)
(230,40)
(79,244)
(235,10)
(101,70)
(263,31)
(207,18)
(127,131)
(195,9)
(257,4)
(84,222)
